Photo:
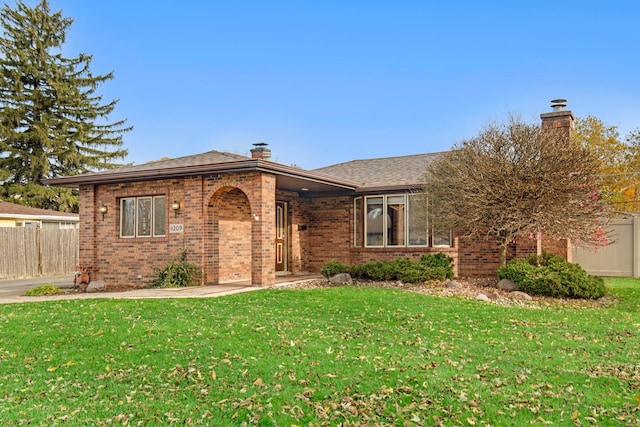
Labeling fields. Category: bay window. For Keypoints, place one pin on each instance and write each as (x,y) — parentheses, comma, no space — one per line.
(396,220)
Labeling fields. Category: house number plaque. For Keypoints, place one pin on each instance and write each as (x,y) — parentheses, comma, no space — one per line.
(176,228)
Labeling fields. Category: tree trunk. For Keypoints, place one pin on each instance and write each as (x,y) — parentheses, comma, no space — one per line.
(503,241)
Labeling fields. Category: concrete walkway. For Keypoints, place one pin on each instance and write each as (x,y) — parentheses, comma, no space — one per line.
(12,291)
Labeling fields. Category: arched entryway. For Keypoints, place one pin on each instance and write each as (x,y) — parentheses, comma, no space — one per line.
(228,236)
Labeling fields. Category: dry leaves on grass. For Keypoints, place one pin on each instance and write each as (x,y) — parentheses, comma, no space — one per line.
(470,288)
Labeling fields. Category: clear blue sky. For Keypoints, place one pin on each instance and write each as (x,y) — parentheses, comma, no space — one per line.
(330,81)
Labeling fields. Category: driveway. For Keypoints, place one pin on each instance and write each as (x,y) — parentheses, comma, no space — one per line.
(12,291)
(16,287)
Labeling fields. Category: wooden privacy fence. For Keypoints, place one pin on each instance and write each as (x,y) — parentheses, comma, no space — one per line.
(31,252)
(619,258)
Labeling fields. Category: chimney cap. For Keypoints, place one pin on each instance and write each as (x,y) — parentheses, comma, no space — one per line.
(558,104)
(260,151)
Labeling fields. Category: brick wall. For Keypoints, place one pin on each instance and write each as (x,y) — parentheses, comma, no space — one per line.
(233,220)
(131,262)
(229,231)
(212,210)
(329,231)
(331,235)
(259,190)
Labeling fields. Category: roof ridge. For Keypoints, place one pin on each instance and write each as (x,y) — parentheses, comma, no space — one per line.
(167,159)
(435,153)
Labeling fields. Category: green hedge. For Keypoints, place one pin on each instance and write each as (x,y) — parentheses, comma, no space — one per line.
(550,275)
(436,266)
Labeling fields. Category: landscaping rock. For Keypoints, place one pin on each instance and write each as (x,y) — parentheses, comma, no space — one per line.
(341,279)
(482,297)
(452,284)
(521,296)
(507,285)
(96,286)
(493,295)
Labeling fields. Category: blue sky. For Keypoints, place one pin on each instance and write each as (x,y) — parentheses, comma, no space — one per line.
(324,82)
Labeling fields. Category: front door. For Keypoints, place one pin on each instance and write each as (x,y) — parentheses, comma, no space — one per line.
(281,236)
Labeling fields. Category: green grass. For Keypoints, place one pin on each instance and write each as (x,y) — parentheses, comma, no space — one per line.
(334,356)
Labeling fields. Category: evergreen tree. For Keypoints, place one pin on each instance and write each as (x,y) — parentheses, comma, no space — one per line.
(52,122)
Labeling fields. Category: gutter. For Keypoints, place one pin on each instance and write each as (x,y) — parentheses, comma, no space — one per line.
(40,217)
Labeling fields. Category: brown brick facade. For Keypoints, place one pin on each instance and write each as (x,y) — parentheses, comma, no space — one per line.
(228,224)
(331,226)
(229,230)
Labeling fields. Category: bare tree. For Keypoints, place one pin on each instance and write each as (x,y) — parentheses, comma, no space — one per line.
(517,180)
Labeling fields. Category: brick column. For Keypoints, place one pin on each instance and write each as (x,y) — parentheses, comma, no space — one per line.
(87,232)
(263,230)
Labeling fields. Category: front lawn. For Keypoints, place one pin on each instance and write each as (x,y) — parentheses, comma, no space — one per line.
(332,356)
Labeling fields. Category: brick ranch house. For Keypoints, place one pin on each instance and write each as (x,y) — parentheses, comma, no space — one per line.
(249,218)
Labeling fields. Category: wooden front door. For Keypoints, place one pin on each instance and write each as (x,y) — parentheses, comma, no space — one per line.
(281,236)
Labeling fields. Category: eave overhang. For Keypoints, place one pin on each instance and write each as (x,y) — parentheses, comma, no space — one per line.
(291,178)
(46,218)
(402,188)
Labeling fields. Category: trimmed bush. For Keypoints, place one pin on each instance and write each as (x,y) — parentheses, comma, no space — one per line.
(333,267)
(550,275)
(516,270)
(178,273)
(436,260)
(441,262)
(430,267)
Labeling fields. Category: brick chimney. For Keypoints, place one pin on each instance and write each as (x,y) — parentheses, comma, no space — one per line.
(260,151)
(559,118)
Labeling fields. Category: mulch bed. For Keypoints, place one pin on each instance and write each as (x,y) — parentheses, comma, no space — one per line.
(470,289)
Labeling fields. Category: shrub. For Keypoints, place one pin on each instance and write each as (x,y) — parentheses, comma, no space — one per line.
(375,270)
(437,268)
(334,267)
(516,270)
(178,273)
(543,281)
(551,275)
(436,260)
(439,261)
(43,290)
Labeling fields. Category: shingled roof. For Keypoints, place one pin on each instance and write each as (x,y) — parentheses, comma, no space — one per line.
(392,172)
(211,162)
(209,158)
(388,173)
(12,210)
